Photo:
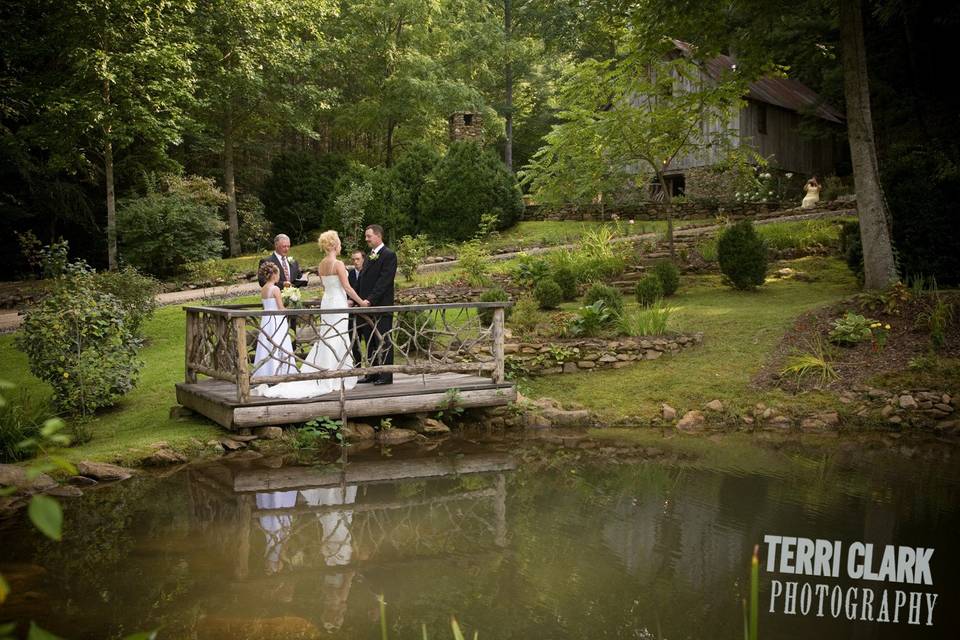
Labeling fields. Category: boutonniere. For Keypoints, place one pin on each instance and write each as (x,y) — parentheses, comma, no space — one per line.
(373,256)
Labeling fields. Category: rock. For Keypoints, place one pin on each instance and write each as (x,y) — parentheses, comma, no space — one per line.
(570,367)
(907,402)
(812,424)
(164,457)
(81,481)
(829,418)
(942,406)
(431,427)
(747,420)
(691,421)
(269,433)
(895,420)
(714,405)
(887,410)
(668,412)
(533,420)
(652,354)
(12,475)
(781,422)
(103,471)
(358,432)
(64,491)
(586,364)
(563,418)
(160,445)
(230,444)
(767,413)
(243,437)
(396,435)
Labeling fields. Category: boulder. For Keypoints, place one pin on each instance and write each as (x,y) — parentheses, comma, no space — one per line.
(65,491)
(714,405)
(907,402)
(564,418)
(432,427)
(103,471)
(12,475)
(162,457)
(231,444)
(268,433)
(396,435)
(780,422)
(668,412)
(358,431)
(691,421)
(533,420)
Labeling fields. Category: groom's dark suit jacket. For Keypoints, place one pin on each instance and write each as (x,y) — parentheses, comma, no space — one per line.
(295,273)
(376,278)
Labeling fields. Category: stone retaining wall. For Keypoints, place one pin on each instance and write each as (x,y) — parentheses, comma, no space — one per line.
(549,357)
(681,211)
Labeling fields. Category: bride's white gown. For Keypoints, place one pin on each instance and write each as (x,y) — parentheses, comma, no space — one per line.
(330,351)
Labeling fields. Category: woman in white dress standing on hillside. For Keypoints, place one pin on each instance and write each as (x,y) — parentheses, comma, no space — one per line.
(332,349)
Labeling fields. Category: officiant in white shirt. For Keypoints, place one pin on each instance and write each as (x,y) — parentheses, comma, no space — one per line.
(289,269)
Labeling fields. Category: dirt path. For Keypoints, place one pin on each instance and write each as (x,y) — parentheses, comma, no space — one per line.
(10,319)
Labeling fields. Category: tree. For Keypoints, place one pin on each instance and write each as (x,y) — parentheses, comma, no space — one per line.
(626,120)
(879,266)
(103,77)
(259,73)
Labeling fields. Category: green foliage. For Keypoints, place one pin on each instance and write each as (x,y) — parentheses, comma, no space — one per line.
(529,270)
(924,209)
(78,339)
(669,276)
(351,209)
(474,263)
(135,292)
(937,318)
(814,361)
(297,194)
(410,254)
(548,293)
(493,295)
(851,248)
(411,171)
(609,295)
(590,320)
(850,329)
(802,235)
(649,290)
(649,321)
(742,256)
(316,433)
(256,232)
(525,315)
(466,184)
(567,279)
(20,418)
(451,405)
(163,230)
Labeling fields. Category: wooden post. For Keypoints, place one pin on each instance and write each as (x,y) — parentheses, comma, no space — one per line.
(243,366)
(496,331)
(189,373)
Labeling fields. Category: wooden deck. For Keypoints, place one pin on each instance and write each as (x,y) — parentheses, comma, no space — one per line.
(217,399)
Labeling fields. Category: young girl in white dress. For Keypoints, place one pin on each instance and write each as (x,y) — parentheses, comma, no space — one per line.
(274,347)
(332,349)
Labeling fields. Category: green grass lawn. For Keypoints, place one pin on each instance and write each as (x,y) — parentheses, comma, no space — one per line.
(553,232)
(740,330)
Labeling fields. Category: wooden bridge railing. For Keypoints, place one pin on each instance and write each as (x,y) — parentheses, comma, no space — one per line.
(247,345)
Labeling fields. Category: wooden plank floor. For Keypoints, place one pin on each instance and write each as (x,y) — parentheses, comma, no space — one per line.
(217,399)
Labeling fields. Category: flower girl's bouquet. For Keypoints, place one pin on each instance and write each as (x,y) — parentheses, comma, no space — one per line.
(291,297)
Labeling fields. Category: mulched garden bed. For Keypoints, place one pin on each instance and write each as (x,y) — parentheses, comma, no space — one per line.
(907,343)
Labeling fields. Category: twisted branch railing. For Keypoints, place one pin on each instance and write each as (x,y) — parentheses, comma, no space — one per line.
(248,345)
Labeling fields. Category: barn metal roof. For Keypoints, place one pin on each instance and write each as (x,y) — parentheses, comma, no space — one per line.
(782,92)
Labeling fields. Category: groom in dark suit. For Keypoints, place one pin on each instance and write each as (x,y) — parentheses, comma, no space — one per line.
(375,286)
(289,269)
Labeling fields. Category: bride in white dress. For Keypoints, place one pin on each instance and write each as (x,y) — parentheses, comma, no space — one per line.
(332,349)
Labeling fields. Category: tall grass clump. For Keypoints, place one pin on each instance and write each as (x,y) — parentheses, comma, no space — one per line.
(649,321)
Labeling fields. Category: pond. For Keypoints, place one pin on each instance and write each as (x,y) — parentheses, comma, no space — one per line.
(515,538)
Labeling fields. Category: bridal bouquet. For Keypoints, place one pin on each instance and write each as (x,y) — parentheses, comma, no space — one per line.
(290,297)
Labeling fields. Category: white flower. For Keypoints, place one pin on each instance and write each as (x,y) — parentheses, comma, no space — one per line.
(765,176)
(789,175)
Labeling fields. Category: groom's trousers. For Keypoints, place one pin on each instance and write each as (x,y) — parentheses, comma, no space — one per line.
(375,329)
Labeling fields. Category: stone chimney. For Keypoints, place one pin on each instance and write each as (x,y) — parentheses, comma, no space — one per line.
(466,125)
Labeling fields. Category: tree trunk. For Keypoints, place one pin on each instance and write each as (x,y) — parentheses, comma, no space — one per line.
(111,205)
(391,125)
(508,78)
(668,201)
(230,186)
(880,269)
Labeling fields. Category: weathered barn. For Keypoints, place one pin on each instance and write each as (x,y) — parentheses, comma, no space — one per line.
(770,124)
